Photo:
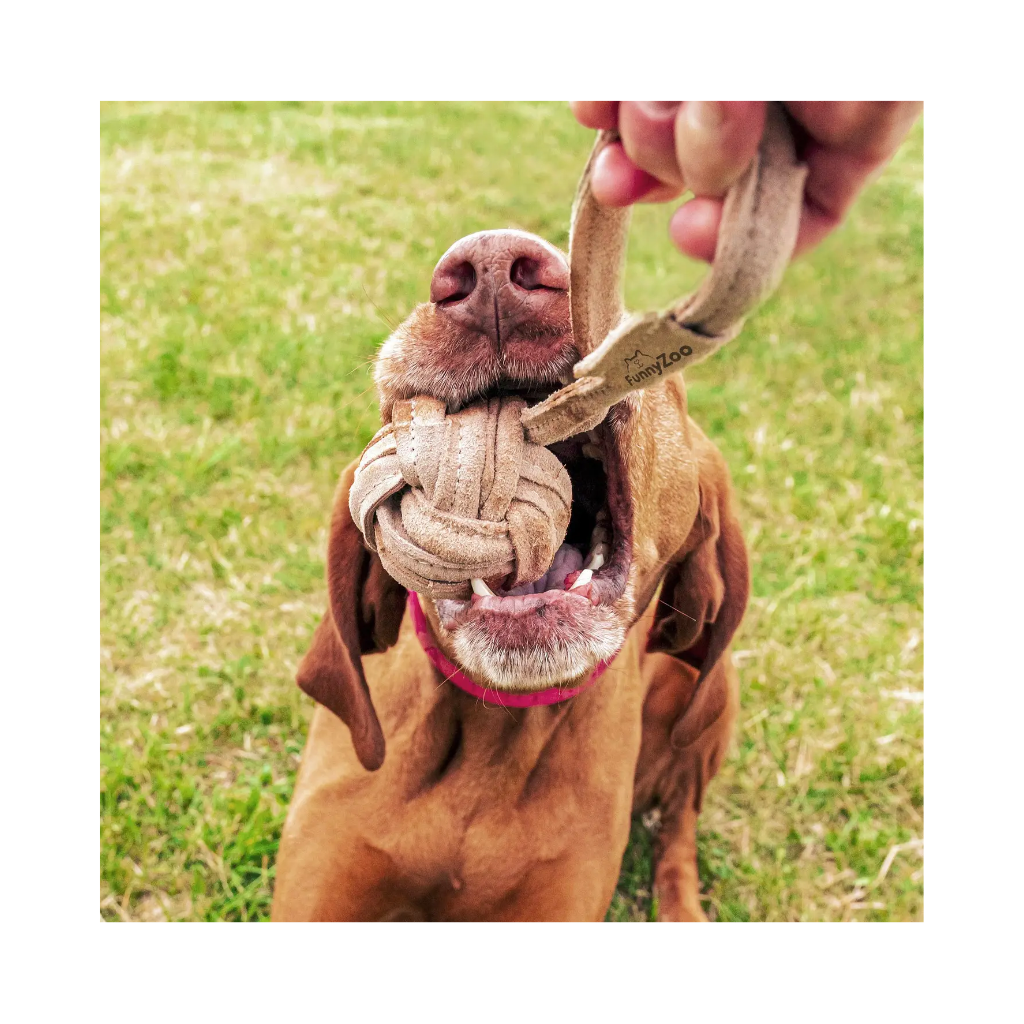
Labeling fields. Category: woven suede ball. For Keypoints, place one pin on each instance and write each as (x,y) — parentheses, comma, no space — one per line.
(445,498)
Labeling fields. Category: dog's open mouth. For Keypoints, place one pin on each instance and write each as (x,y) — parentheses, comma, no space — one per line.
(590,568)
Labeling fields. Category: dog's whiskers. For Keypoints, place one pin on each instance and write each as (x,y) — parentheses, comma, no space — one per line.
(445,680)
(661,600)
(369,361)
(497,704)
(349,405)
(383,316)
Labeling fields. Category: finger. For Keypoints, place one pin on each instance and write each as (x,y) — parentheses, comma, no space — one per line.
(715,142)
(617,181)
(835,176)
(694,228)
(872,131)
(595,113)
(815,226)
(647,128)
(849,144)
(661,194)
(834,180)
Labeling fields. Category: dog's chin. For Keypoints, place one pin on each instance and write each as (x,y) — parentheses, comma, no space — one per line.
(550,644)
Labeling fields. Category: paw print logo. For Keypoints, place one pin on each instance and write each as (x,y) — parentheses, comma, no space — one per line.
(637,359)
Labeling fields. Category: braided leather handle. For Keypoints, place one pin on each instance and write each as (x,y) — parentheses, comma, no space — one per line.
(624,353)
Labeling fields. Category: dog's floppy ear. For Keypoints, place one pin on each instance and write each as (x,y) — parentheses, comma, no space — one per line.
(365,612)
(705,590)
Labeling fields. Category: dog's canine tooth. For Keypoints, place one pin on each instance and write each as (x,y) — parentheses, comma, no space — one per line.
(591,451)
(585,576)
(481,588)
(597,557)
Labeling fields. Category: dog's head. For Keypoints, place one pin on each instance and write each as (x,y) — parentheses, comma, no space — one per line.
(650,503)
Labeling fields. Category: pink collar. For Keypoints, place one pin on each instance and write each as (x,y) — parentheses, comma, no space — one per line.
(552,695)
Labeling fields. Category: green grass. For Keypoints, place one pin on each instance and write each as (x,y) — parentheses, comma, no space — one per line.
(252,259)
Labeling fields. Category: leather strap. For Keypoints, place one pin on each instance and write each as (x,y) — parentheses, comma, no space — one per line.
(624,353)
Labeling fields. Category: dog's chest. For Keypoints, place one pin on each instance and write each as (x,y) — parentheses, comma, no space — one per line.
(472,799)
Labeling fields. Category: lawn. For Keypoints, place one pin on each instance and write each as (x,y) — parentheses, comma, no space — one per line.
(253,257)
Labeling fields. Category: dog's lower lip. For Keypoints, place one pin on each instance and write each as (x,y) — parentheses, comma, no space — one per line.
(519,604)
(500,612)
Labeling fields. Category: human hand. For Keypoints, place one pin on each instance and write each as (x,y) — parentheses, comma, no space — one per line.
(669,147)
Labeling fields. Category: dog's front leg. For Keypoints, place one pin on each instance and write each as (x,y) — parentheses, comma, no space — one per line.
(674,776)
(676,882)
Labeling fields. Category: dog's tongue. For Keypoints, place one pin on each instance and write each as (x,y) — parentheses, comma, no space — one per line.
(567,559)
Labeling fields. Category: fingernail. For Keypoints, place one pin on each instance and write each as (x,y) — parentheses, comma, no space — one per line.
(705,116)
(659,109)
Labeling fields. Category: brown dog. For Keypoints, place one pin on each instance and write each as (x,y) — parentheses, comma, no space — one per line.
(488,813)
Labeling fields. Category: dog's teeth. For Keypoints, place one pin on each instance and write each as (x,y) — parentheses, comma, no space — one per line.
(602,516)
(591,451)
(583,579)
(594,436)
(597,557)
(481,588)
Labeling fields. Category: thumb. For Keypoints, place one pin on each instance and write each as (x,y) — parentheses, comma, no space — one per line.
(715,142)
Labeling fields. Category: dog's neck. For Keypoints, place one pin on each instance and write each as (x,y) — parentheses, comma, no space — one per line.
(512,753)
(518,754)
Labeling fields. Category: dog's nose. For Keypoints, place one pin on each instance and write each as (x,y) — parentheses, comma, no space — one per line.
(496,281)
